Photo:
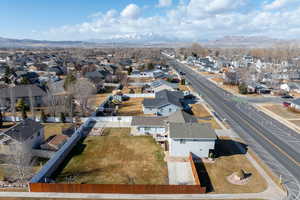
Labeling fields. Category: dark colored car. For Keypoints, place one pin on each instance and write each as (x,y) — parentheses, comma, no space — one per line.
(287,97)
(286,104)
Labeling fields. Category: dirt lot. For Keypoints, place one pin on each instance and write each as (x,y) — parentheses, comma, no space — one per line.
(132,107)
(117,158)
(229,160)
(54,128)
(200,111)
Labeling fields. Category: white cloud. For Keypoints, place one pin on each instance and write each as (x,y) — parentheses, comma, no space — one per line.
(205,7)
(131,11)
(193,20)
(164,3)
(279,4)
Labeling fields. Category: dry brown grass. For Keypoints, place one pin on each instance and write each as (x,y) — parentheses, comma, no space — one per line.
(6,125)
(230,161)
(97,99)
(51,129)
(282,111)
(274,177)
(84,199)
(132,107)
(136,89)
(118,158)
(184,88)
(145,80)
(201,112)
(218,80)
(296,122)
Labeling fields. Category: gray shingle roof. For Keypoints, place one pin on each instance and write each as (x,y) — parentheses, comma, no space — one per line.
(22,91)
(24,130)
(191,131)
(296,101)
(148,121)
(181,117)
(164,97)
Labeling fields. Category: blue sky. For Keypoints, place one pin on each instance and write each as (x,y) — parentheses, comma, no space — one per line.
(173,19)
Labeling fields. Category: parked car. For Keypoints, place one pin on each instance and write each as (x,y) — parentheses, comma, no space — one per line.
(287,96)
(286,104)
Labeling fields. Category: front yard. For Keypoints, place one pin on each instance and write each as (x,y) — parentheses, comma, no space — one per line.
(116,158)
(204,116)
(231,160)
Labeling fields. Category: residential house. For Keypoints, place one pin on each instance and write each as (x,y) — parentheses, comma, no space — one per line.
(231,77)
(26,135)
(185,138)
(23,92)
(158,126)
(54,143)
(291,87)
(164,103)
(160,85)
(295,104)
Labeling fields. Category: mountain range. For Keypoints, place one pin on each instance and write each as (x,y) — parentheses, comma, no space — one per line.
(148,39)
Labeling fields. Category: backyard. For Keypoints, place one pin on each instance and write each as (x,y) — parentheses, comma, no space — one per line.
(132,107)
(116,158)
(51,129)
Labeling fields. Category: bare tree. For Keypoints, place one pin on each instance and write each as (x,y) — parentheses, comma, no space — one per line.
(52,103)
(21,162)
(13,103)
(31,100)
(82,91)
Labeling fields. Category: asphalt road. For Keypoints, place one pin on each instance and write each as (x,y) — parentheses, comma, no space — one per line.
(249,122)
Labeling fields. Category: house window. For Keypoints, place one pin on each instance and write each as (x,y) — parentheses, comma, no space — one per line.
(182,141)
(170,109)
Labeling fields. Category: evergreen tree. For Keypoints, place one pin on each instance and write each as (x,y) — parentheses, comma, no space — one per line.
(62,117)
(243,88)
(70,79)
(24,114)
(1,119)
(21,105)
(43,117)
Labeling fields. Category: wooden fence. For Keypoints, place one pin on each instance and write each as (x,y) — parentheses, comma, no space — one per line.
(194,170)
(116,188)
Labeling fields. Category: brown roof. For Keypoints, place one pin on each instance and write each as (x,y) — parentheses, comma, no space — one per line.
(57,140)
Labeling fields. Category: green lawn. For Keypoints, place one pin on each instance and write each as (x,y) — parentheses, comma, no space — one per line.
(116,158)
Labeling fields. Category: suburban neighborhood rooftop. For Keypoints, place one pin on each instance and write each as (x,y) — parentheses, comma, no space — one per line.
(191,131)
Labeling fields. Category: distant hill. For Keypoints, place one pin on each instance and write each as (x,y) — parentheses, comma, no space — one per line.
(248,41)
(23,43)
(148,40)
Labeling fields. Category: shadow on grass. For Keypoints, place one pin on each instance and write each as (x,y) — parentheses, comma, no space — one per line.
(202,174)
(229,148)
(222,148)
(77,150)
